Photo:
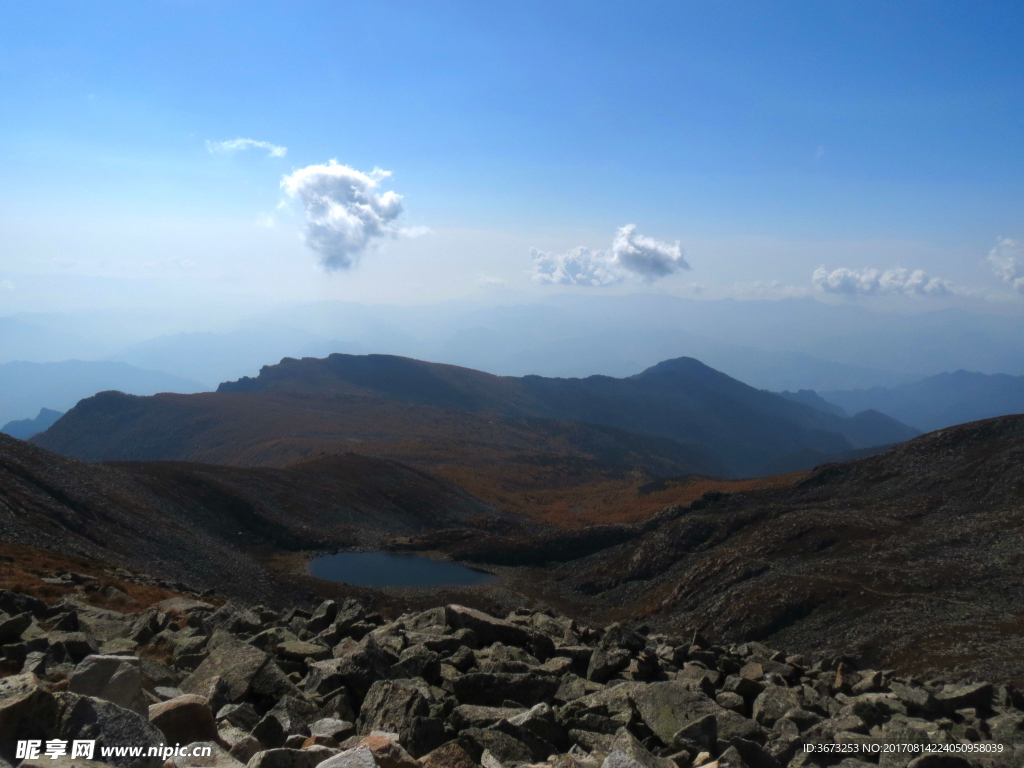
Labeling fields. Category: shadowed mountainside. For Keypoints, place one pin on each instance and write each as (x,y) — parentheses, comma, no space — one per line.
(676,418)
(201,524)
(907,558)
(680,399)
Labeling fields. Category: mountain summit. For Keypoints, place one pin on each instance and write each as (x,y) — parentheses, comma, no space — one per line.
(679,416)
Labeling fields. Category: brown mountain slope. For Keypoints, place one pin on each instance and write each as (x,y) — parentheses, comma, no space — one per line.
(682,408)
(909,559)
(207,525)
(523,465)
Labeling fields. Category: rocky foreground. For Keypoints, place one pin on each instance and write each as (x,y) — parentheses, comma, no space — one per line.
(452,687)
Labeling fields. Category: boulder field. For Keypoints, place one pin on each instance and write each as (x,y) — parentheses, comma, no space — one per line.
(453,687)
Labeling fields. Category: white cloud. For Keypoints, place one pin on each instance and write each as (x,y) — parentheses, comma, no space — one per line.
(7,285)
(646,256)
(579,266)
(235,145)
(631,254)
(1003,258)
(873,282)
(345,212)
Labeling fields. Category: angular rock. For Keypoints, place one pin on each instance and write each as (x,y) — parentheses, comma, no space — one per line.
(237,664)
(618,636)
(359,757)
(72,646)
(358,668)
(628,752)
(185,719)
(115,678)
(291,758)
(87,718)
(11,627)
(402,707)
(27,711)
(387,751)
(605,664)
(505,748)
(235,620)
(774,702)
(976,696)
(242,716)
(474,716)
(298,650)
(494,689)
(339,730)
(245,748)
(449,755)
(418,661)
(667,707)
(322,617)
(490,630)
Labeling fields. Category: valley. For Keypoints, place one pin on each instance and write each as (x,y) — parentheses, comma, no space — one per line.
(377,453)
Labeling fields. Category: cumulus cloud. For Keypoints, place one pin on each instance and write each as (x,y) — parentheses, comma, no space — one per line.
(646,256)
(7,285)
(631,254)
(579,266)
(235,145)
(1004,261)
(871,282)
(345,210)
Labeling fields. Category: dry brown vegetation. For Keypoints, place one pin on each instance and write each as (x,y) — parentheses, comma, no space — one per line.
(22,569)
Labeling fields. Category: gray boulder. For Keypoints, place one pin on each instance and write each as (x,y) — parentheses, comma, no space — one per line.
(185,719)
(27,711)
(115,678)
(109,725)
(291,758)
(403,707)
(670,706)
(235,663)
(605,664)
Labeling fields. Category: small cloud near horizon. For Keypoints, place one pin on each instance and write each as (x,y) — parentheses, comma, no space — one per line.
(1003,259)
(236,145)
(345,211)
(631,254)
(875,282)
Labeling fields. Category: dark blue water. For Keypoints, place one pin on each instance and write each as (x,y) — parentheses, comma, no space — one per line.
(382,569)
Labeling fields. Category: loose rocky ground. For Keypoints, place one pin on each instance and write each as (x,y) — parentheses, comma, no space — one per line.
(452,687)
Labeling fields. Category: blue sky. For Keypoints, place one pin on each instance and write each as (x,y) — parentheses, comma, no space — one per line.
(769,139)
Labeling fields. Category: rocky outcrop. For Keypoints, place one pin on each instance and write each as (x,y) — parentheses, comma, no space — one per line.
(453,687)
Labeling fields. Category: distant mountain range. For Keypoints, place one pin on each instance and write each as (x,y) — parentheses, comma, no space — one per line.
(787,344)
(931,403)
(23,429)
(678,417)
(25,388)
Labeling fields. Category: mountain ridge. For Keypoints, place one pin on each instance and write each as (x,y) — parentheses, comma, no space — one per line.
(682,399)
(939,401)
